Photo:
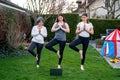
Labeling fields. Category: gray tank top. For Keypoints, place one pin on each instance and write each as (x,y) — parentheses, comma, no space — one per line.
(60,34)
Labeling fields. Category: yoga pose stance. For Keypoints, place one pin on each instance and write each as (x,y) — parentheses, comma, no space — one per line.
(84,29)
(60,28)
(38,33)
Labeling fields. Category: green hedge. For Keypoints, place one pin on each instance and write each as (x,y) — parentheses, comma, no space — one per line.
(100,26)
(71,19)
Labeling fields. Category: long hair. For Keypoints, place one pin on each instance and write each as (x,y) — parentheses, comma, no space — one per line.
(85,14)
(62,16)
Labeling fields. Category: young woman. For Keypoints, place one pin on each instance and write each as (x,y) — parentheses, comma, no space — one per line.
(60,28)
(84,29)
(38,33)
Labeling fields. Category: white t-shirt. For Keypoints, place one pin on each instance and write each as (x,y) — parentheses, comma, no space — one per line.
(38,36)
(81,25)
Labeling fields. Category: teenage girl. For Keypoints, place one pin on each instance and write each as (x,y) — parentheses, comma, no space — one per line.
(84,29)
(60,28)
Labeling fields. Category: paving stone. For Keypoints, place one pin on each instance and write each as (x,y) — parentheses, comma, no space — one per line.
(113,65)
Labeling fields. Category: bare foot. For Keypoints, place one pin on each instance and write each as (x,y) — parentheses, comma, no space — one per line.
(81,53)
(36,57)
(82,68)
(58,53)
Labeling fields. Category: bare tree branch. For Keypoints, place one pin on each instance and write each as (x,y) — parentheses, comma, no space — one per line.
(41,7)
(35,3)
(117,16)
(110,7)
(99,8)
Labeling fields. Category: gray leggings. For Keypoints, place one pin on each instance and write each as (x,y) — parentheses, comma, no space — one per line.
(39,47)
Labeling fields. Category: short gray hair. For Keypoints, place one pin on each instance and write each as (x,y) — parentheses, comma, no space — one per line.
(39,19)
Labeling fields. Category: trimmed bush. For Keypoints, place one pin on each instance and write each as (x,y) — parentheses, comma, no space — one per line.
(100,26)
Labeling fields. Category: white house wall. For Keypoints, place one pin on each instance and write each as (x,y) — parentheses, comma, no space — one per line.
(8,6)
(100,12)
(118,12)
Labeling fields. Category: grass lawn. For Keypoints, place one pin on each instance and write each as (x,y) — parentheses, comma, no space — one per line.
(23,68)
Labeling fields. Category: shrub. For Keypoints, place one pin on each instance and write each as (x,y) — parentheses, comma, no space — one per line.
(100,26)
(99,41)
(14,24)
(21,47)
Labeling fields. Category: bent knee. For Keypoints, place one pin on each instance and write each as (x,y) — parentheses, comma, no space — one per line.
(47,46)
(29,50)
(70,45)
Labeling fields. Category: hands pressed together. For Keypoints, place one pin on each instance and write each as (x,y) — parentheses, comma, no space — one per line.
(78,30)
(39,29)
(60,27)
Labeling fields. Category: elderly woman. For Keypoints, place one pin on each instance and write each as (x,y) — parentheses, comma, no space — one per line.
(38,33)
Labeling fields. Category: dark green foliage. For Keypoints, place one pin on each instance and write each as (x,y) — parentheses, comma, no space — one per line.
(72,20)
(21,47)
(48,24)
(10,53)
(100,26)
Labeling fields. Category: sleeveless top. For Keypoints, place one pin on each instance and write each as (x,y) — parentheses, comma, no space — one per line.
(60,34)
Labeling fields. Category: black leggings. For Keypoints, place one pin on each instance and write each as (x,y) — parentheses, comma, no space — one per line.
(39,49)
(52,43)
(81,40)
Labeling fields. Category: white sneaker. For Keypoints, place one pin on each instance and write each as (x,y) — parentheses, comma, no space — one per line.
(82,68)
(59,67)
(37,66)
